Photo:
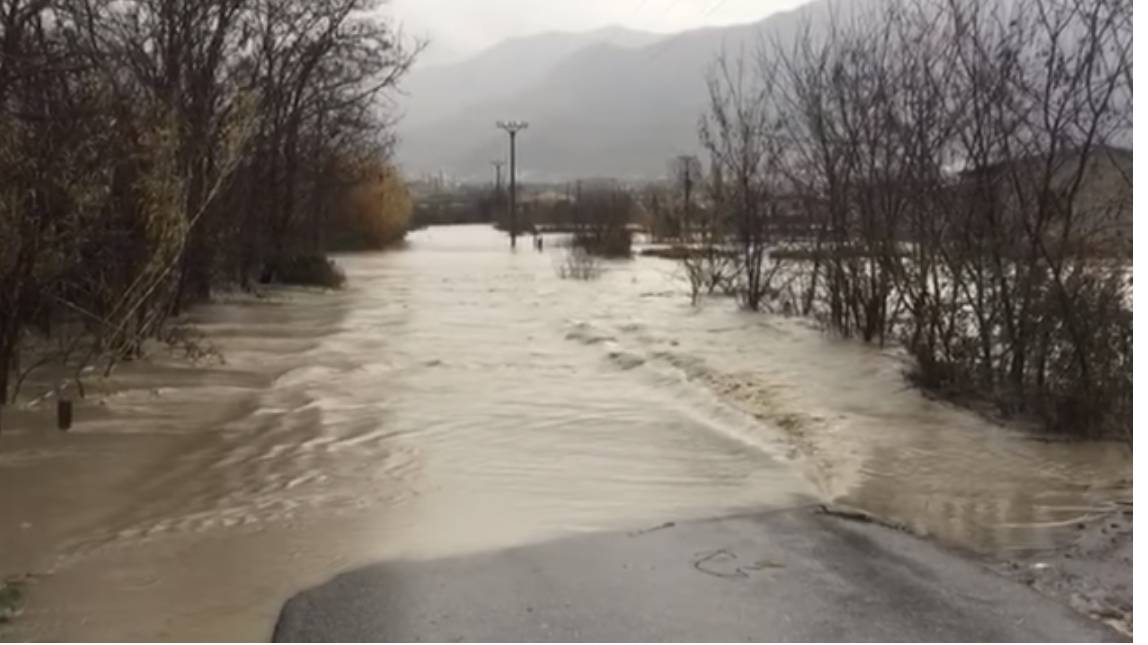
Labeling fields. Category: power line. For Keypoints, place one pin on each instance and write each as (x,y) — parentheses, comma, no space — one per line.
(660,48)
(671,8)
(704,14)
(718,5)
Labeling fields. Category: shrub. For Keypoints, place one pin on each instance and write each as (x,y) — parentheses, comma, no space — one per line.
(601,219)
(579,264)
(304,270)
(375,210)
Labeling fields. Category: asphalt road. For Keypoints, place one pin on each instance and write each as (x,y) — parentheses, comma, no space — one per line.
(786,576)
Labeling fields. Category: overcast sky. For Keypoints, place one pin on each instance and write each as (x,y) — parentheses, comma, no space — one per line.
(459,28)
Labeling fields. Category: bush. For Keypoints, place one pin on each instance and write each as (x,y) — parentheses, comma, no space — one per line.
(304,270)
(610,243)
(579,264)
(374,212)
(601,219)
(11,597)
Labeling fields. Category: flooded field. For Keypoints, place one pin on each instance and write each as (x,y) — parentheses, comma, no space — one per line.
(457,397)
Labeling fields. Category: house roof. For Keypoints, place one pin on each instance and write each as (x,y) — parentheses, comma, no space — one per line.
(1111,151)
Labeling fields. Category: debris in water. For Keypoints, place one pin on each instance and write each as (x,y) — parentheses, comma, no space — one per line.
(667,525)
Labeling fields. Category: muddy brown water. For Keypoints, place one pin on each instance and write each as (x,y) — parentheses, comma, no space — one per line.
(457,397)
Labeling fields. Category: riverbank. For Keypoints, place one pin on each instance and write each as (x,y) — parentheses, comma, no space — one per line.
(1092,573)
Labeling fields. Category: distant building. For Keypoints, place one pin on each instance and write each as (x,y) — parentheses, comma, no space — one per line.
(1033,191)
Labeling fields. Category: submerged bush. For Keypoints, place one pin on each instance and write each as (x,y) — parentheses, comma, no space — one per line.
(613,243)
(11,597)
(305,270)
(601,219)
(578,264)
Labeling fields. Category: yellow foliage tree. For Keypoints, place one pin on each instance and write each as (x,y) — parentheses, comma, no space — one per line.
(375,210)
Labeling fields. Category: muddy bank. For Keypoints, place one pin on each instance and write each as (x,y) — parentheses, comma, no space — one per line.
(1092,573)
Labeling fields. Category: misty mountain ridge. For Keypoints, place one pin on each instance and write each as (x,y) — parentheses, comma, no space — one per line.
(439,91)
(611,102)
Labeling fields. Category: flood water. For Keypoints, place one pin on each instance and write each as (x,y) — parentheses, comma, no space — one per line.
(458,397)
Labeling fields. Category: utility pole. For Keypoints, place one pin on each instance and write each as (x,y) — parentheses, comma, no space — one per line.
(513,128)
(496,205)
(687,189)
(688,169)
(497,176)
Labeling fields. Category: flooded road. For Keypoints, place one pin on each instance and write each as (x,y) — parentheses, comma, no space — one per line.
(458,398)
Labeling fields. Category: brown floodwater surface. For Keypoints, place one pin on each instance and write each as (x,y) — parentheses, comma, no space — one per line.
(458,397)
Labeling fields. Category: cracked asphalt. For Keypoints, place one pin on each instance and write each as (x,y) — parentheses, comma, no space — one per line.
(793,575)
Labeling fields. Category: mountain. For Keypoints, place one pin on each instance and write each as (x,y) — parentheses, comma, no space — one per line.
(610,103)
(500,72)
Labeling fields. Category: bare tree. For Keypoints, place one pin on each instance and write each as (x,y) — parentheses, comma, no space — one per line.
(959,165)
(156,148)
(741,132)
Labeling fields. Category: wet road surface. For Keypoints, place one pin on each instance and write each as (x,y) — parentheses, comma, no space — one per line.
(785,576)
